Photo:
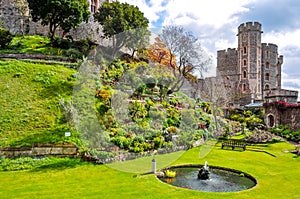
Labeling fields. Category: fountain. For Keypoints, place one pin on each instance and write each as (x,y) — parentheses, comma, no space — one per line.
(209,179)
(203,173)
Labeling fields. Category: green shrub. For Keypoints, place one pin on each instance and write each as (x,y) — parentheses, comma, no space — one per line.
(172,129)
(285,132)
(137,111)
(73,53)
(82,45)
(168,145)
(59,42)
(5,38)
(122,142)
(158,142)
(102,154)
(237,117)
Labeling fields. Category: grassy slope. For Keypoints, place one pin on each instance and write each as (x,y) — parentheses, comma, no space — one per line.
(278,178)
(33,45)
(29,96)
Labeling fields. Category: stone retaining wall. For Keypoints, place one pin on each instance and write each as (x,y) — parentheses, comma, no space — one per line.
(37,57)
(41,150)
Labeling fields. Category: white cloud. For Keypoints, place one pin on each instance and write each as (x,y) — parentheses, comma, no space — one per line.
(151,10)
(286,41)
(212,12)
(223,44)
(215,23)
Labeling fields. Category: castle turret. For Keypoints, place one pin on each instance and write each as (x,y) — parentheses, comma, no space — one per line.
(256,66)
(271,67)
(249,53)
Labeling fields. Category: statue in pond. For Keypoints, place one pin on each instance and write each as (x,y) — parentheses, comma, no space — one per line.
(203,172)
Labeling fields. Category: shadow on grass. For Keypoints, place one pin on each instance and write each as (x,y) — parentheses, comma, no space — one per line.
(50,135)
(60,165)
(262,151)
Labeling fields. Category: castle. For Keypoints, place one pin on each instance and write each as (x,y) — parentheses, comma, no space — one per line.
(253,70)
(15,16)
(94,4)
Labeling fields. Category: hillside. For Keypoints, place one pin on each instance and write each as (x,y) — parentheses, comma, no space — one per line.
(29,101)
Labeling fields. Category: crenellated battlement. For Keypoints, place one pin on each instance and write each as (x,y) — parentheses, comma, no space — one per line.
(228,52)
(270,46)
(254,67)
(253,26)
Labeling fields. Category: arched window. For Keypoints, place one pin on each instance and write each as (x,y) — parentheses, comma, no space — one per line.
(271,121)
(244,87)
(244,74)
(245,50)
(267,87)
(245,62)
(268,65)
(267,76)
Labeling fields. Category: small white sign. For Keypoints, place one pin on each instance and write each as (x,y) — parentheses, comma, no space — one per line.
(67,134)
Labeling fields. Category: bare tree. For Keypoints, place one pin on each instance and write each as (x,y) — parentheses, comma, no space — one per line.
(185,48)
(219,93)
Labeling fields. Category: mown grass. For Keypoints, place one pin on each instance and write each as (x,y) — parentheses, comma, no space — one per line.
(278,177)
(29,101)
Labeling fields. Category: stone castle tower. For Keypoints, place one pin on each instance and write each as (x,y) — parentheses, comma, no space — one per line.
(253,70)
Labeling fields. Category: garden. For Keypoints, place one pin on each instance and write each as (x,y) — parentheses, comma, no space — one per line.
(133,107)
(69,178)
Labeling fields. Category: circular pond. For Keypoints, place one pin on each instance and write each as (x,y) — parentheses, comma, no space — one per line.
(220,179)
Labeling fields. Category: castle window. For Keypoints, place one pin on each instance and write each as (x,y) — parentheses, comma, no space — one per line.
(244,87)
(245,62)
(244,74)
(267,76)
(271,121)
(268,65)
(245,50)
(93,6)
(267,87)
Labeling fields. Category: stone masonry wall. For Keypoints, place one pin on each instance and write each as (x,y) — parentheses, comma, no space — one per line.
(41,150)
(18,21)
(289,116)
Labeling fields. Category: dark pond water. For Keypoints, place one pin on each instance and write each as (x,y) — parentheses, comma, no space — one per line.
(220,180)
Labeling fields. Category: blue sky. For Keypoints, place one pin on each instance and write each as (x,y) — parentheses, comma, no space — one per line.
(215,23)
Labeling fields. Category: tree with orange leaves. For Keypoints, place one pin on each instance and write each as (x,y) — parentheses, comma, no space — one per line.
(159,53)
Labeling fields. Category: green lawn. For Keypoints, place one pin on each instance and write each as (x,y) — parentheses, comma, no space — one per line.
(278,177)
(29,101)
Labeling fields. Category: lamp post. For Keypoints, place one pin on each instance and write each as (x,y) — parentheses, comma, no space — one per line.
(153,165)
